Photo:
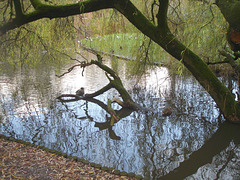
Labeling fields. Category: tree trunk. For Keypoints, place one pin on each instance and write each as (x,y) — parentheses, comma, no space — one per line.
(231,12)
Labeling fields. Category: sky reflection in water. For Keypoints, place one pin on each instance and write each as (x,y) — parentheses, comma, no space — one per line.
(150,145)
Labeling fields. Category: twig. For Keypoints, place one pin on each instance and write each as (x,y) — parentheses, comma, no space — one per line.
(68,56)
(69,70)
(217,62)
(82,56)
(82,64)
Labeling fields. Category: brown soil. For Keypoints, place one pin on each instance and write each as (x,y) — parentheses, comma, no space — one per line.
(19,161)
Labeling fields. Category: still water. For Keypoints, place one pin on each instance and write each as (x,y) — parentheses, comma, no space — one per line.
(193,143)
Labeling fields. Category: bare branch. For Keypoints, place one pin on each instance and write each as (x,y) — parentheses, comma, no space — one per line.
(101,91)
(69,70)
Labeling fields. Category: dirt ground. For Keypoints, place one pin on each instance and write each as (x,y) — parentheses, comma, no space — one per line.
(19,161)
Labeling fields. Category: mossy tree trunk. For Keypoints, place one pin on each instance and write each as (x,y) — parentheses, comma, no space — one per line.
(231,12)
(162,36)
(159,33)
(115,82)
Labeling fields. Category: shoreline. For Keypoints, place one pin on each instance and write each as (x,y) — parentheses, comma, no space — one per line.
(23,160)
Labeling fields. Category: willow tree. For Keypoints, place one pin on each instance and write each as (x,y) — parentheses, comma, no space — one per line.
(159,32)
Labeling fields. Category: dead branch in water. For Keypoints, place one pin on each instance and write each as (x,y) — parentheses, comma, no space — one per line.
(115,82)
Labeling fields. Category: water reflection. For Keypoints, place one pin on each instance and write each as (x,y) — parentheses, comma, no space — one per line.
(190,142)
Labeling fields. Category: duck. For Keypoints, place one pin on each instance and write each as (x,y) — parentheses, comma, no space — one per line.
(167,111)
(80,92)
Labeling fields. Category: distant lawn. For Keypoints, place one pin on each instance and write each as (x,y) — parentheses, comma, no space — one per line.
(127,45)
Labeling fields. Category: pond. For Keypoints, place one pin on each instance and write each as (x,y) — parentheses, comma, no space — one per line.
(193,142)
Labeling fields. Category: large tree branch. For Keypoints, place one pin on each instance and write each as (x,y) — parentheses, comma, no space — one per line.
(55,11)
(115,83)
(162,36)
(136,17)
(231,11)
(105,68)
(101,91)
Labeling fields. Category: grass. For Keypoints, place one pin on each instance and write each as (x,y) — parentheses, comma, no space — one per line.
(130,45)
(134,46)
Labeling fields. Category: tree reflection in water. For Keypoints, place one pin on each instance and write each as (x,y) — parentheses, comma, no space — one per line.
(122,113)
(193,142)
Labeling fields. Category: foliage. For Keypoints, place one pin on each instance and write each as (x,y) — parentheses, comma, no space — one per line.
(105,28)
(199,25)
(38,42)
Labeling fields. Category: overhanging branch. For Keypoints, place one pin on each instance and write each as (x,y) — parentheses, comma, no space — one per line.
(55,11)
(101,91)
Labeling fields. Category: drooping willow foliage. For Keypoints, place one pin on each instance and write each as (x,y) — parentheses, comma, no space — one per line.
(198,24)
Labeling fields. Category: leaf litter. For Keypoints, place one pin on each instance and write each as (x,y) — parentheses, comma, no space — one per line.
(19,161)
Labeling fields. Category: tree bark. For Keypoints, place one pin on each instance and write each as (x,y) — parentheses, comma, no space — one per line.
(117,84)
(231,12)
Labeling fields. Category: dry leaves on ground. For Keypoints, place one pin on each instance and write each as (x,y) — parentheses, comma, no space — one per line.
(18,161)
